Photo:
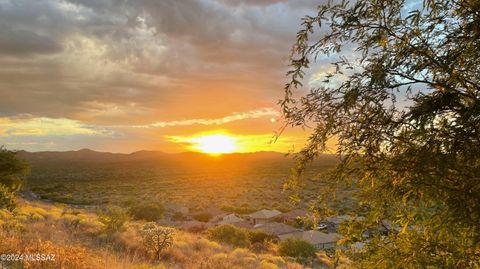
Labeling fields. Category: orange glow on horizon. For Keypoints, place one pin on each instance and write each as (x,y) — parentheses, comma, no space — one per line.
(215,144)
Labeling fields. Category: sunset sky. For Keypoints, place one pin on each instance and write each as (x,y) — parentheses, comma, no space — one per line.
(123,76)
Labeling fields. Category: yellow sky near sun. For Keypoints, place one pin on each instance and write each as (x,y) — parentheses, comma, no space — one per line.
(222,141)
(240,132)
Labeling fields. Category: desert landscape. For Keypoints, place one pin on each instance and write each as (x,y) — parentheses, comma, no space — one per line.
(240,134)
(89,209)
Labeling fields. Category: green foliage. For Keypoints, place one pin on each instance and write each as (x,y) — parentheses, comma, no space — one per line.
(229,234)
(242,209)
(147,211)
(11,170)
(113,218)
(414,163)
(157,238)
(203,217)
(7,198)
(255,236)
(296,248)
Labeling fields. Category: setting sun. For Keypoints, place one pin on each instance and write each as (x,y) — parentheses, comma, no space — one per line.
(215,144)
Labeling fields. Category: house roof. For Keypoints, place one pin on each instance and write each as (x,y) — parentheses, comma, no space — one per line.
(177,208)
(231,218)
(243,224)
(276,228)
(265,214)
(295,213)
(338,219)
(313,237)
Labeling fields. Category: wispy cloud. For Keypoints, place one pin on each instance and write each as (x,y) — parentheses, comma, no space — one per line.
(45,127)
(236,116)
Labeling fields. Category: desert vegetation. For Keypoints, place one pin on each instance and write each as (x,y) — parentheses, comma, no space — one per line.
(133,235)
(83,239)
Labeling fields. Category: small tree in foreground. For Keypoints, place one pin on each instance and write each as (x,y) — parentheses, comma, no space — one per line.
(156,238)
(298,249)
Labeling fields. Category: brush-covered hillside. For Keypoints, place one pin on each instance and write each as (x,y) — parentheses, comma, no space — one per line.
(78,238)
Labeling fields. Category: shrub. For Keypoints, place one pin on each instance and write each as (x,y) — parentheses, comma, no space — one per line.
(268,265)
(243,209)
(113,218)
(203,217)
(147,211)
(178,216)
(156,238)
(229,234)
(7,198)
(260,237)
(297,248)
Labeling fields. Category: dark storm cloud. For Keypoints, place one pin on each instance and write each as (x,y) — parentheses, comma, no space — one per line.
(25,42)
(77,58)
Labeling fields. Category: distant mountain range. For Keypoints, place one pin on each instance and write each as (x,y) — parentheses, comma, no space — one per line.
(88,155)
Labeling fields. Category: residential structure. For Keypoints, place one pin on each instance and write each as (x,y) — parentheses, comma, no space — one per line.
(275,228)
(263,216)
(230,219)
(318,239)
(173,208)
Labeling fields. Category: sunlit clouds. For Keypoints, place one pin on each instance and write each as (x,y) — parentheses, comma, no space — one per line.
(45,126)
(124,76)
(236,116)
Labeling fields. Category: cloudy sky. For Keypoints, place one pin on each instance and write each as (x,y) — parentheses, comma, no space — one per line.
(127,75)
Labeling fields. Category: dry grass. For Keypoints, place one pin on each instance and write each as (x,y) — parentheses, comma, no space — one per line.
(77,240)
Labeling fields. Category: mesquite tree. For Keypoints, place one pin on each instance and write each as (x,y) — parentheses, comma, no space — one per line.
(402,104)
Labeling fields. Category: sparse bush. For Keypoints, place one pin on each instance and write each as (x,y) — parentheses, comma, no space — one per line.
(113,218)
(299,249)
(147,211)
(156,238)
(229,234)
(203,217)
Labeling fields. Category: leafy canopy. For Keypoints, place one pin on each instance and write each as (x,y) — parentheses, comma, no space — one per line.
(402,103)
(12,171)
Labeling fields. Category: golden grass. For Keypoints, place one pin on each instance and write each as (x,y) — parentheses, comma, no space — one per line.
(77,240)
